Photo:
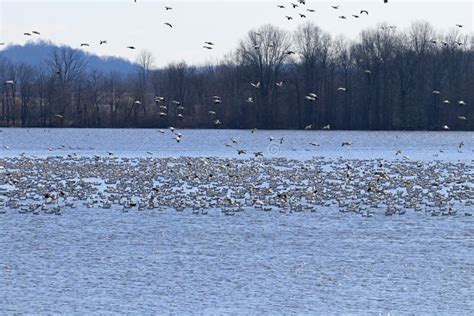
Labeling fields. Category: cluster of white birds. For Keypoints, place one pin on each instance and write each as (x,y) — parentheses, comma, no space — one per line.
(448,102)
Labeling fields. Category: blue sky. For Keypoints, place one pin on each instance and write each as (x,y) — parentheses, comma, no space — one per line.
(123,22)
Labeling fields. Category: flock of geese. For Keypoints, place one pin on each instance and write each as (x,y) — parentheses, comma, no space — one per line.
(367,188)
(210,45)
(236,185)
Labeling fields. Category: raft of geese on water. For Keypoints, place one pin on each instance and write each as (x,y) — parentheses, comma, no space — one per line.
(200,185)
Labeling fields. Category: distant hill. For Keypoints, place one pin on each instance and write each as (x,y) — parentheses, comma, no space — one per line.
(36,53)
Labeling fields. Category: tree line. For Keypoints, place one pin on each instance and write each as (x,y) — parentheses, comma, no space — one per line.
(418,79)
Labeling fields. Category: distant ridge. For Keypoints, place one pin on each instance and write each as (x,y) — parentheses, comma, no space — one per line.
(38,52)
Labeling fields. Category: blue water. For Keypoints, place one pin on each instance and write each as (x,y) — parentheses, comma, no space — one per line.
(90,261)
(199,143)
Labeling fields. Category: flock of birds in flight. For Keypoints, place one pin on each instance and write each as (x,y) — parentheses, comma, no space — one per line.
(310,97)
(210,45)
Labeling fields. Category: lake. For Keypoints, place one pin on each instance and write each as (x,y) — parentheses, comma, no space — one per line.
(97,260)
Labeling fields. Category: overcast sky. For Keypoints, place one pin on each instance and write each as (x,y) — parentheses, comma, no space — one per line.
(123,22)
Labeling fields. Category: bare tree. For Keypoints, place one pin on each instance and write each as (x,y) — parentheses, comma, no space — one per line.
(314,46)
(66,66)
(264,52)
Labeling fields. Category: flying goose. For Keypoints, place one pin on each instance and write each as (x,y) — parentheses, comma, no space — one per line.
(168,8)
(131,47)
(364,11)
(335,7)
(36,32)
(84,44)
(255,85)
(102,42)
(169,24)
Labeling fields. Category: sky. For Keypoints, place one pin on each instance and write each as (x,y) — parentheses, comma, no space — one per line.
(126,23)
